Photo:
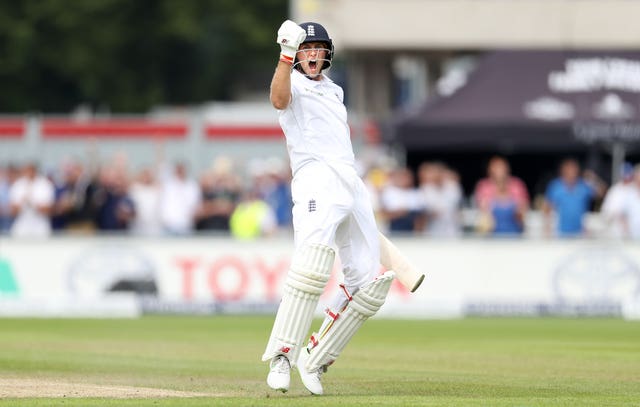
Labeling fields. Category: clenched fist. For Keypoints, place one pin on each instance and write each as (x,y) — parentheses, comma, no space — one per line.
(290,36)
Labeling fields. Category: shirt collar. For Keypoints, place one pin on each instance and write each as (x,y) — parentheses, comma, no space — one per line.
(325,79)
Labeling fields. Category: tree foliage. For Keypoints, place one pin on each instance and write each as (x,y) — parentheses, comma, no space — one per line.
(129,55)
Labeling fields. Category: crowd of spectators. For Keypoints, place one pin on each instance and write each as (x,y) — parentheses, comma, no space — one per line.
(255,200)
(153,201)
(504,203)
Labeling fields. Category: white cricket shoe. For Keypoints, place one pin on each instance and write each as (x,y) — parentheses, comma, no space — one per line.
(311,380)
(279,376)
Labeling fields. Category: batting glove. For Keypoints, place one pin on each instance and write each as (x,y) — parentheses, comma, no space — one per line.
(290,35)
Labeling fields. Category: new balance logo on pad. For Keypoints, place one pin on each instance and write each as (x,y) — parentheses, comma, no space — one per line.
(312,205)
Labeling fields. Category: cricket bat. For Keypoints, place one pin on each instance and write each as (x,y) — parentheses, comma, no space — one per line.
(392,259)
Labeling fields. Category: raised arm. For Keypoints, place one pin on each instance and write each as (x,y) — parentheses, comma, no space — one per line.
(290,35)
(281,86)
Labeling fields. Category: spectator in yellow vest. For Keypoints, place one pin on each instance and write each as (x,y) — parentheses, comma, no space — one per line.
(252,218)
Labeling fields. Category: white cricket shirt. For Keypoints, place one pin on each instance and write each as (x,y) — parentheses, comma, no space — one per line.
(315,123)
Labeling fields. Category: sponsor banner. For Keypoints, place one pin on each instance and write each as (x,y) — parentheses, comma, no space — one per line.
(111,306)
(205,275)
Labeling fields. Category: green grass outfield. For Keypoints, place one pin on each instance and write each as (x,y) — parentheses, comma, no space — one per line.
(470,362)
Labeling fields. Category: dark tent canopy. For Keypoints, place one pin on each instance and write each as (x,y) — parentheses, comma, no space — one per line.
(533,101)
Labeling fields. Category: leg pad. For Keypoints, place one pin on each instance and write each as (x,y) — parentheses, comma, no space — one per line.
(310,270)
(363,305)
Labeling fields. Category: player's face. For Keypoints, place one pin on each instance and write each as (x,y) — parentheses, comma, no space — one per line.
(312,56)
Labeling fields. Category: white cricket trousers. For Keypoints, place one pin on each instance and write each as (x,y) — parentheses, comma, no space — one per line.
(331,206)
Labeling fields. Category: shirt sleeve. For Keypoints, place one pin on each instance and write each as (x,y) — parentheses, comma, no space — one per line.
(295,86)
(613,203)
(591,189)
(521,195)
(483,194)
(16,193)
(550,193)
(44,194)
(453,192)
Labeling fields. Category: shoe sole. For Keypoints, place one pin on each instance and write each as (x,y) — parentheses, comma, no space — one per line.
(282,389)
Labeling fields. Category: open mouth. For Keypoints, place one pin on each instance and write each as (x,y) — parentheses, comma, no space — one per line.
(313,65)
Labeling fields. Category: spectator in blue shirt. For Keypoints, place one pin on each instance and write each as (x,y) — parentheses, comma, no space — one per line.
(507,212)
(570,196)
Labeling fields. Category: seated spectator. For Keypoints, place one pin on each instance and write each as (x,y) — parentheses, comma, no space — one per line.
(440,194)
(145,194)
(179,200)
(502,200)
(569,196)
(400,204)
(32,198)
(614,202)
(220,191)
